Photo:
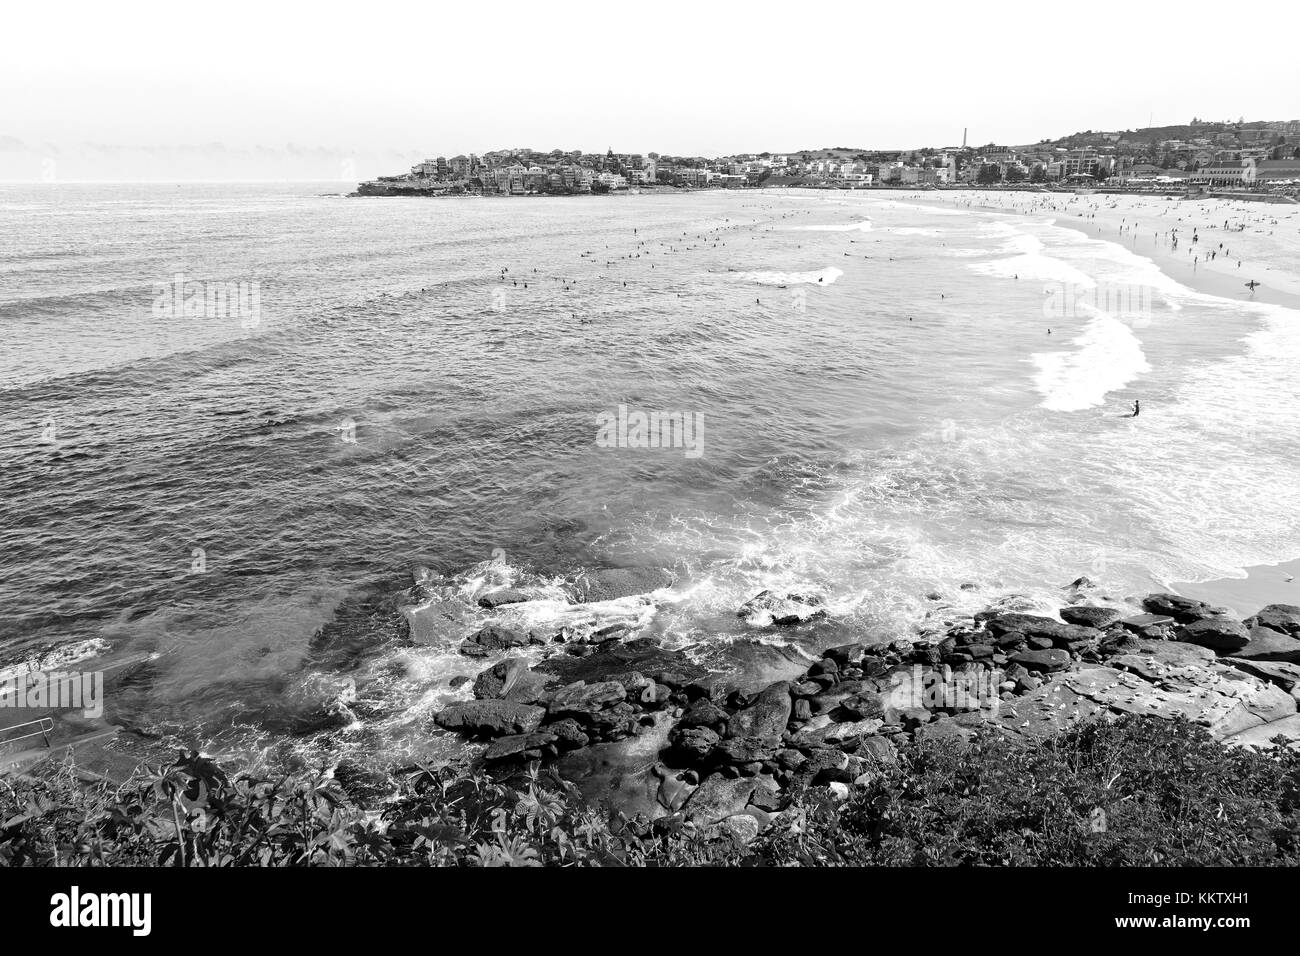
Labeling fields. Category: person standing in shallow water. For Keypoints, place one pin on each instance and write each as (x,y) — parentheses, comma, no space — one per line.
(1137,407)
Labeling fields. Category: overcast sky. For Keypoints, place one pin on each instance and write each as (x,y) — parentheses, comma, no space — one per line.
(697,78)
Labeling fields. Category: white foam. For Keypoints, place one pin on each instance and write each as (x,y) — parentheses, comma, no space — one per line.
(862,226)
(824,276)
(1108,357)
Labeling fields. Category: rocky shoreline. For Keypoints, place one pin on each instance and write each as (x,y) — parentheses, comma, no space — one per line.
(651,733)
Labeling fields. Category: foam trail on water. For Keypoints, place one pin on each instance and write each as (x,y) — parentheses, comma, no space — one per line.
(824,276)
(1108,357)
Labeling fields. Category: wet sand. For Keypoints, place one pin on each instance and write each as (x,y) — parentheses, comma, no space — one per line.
(1264,585)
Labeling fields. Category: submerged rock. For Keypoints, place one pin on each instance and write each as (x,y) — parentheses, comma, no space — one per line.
(767,607)
(496,599)
(608,584)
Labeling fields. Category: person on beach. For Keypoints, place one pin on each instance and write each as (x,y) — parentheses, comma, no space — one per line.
(1137,408)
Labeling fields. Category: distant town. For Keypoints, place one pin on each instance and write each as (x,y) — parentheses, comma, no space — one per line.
(1244,156)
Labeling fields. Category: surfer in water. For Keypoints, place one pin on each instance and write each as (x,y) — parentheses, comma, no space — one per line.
(1252,285)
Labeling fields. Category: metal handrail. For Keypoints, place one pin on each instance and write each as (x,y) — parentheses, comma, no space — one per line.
(43,726)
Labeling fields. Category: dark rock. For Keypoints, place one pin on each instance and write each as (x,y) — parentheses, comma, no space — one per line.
(610,632)
(582,698)
(492,638)
(1081,583)
(824,667)
(517,744)
(719,797)
(1143,622)
(460,680)
(1048,660)
(704,713)
(746,750)
(568,734)
(766,799)
(1036,629)
(504,596)
(643,655)
(1278,617)
(510,680)
(626,773)
(1183,610)
(1220,634)
(493,718)
(766,716)
(692,745)
(790,759)
(864,705)
(845,654)
(802,710)
(1086,615)
(1040,643)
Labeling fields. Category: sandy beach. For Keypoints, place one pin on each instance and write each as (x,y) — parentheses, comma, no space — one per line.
(1263,237)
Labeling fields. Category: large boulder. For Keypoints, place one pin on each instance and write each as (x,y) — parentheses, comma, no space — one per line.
(719,797)
(1052,659)
(527,746)
(492,638)
(1267,644)
(1088,615)
(1278,617)
(510,680)
(1032,625)
(625,774)
(491,718)
(1181,609)
(766,716)
(582,698)
(1222,635)
(767,607)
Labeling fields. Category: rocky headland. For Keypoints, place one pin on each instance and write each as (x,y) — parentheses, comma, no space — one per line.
(656,736)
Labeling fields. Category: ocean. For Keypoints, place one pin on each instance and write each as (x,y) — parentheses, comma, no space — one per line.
(241,418)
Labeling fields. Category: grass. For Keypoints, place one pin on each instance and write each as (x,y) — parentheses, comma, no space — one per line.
(1137,791)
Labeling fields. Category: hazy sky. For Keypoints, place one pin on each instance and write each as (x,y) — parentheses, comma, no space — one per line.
(698,78)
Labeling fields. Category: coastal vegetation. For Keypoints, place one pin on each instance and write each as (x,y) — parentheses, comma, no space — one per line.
(1137,791)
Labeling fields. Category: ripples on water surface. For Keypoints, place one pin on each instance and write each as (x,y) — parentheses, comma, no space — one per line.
(884,416)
